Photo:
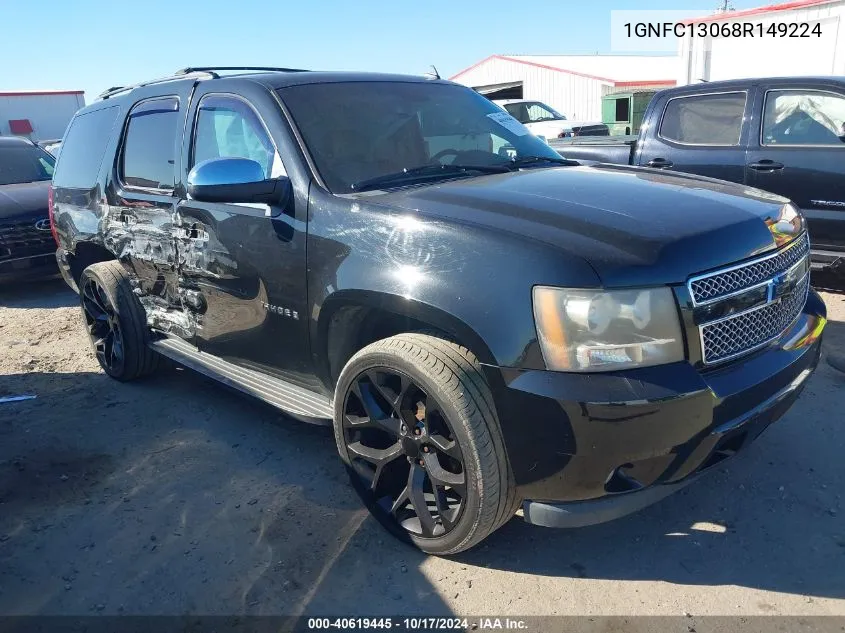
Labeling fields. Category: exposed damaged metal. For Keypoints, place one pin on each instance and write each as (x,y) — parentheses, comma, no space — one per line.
(165,319)
(141,236)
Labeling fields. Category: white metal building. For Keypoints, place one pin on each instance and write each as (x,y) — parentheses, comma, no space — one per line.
(38,114)
(573,84)
(715,58)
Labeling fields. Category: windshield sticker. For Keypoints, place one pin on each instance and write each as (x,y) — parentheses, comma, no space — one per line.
(508,122)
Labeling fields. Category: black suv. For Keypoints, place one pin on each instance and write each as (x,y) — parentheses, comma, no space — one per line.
(484,324)
(26,242)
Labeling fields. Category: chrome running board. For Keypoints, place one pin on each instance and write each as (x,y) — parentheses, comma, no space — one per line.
(301,403)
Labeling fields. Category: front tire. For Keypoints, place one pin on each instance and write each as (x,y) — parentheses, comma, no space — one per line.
(416,427)
(115,322)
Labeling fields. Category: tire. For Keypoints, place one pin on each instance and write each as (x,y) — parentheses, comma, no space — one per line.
(451,375)
(105,286)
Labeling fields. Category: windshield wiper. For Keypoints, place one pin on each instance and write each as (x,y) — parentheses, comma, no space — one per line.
(426,172)
(522,161)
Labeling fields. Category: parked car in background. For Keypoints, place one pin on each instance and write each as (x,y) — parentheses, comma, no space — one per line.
(482,329)
(783,135)
(547,123)
(27,247)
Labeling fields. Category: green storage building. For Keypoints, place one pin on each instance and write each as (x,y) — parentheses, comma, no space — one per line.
(623,112)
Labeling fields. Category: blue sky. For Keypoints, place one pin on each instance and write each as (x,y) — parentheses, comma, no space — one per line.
(93,44)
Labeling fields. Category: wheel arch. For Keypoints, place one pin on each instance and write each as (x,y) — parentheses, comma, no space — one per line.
(349,320)
(87,253)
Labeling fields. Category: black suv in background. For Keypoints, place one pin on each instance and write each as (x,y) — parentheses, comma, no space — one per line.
(27,246)
(484,323)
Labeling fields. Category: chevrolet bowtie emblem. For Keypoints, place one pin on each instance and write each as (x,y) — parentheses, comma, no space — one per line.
(776,287)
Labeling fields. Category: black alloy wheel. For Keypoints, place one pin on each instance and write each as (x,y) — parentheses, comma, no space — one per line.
(116,322)
(404,457)
(416,428)
(103,324)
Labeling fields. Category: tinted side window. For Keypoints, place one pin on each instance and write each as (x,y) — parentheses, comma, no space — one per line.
(83,148)
(804,117)
(704,119)
(228,128)
(518,111)
(149,148)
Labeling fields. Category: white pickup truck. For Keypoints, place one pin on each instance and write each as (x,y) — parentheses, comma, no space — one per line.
(547,123)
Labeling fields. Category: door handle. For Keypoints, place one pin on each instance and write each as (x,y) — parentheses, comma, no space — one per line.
(659,163)
(765,165)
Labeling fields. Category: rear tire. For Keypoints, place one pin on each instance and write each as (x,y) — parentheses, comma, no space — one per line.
(116,322)
(414,412)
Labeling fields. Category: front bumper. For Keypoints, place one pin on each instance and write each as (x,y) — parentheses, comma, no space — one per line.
(588,448)
(18,269)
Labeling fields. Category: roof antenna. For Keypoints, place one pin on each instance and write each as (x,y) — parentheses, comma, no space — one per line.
(433,74)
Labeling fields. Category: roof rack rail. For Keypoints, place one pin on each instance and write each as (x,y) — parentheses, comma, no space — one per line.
(203,71)
(212,70)
(180,75)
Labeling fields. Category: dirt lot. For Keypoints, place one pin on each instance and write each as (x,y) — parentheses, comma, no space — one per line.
(173,495)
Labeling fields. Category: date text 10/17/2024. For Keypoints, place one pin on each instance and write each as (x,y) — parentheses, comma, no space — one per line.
(729,29)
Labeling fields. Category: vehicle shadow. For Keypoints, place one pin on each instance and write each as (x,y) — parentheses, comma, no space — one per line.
(173,496)
(46,293)
(771,518)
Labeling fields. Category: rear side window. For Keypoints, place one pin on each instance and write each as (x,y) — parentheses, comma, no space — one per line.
(714,119)
(83,148)
(149,146)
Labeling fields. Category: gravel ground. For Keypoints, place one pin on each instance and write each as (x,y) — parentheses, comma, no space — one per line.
(173,495)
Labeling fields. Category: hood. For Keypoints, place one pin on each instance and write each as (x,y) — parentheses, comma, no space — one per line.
(634,226)
(22,199)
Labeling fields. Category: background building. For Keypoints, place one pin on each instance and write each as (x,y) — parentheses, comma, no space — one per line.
(573,84)
(38,114)
(715,58)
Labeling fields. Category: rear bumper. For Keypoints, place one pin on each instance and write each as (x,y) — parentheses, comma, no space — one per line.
(65,270)
(590,448)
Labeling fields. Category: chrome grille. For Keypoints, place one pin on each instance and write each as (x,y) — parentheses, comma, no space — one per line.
(714,286)
(759,299)
(20,238)
(744,332)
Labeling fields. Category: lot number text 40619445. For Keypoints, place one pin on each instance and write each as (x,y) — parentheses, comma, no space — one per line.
(417,624)
(724,29)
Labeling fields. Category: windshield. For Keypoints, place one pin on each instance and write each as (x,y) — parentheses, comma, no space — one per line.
(359,131)
(24,163)
(533,112)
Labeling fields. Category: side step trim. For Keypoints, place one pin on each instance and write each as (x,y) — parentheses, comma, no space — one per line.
(292,399)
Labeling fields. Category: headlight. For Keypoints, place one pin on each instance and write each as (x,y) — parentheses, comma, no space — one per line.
(606,330)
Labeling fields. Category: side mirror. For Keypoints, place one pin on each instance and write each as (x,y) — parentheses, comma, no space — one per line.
(235,180)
